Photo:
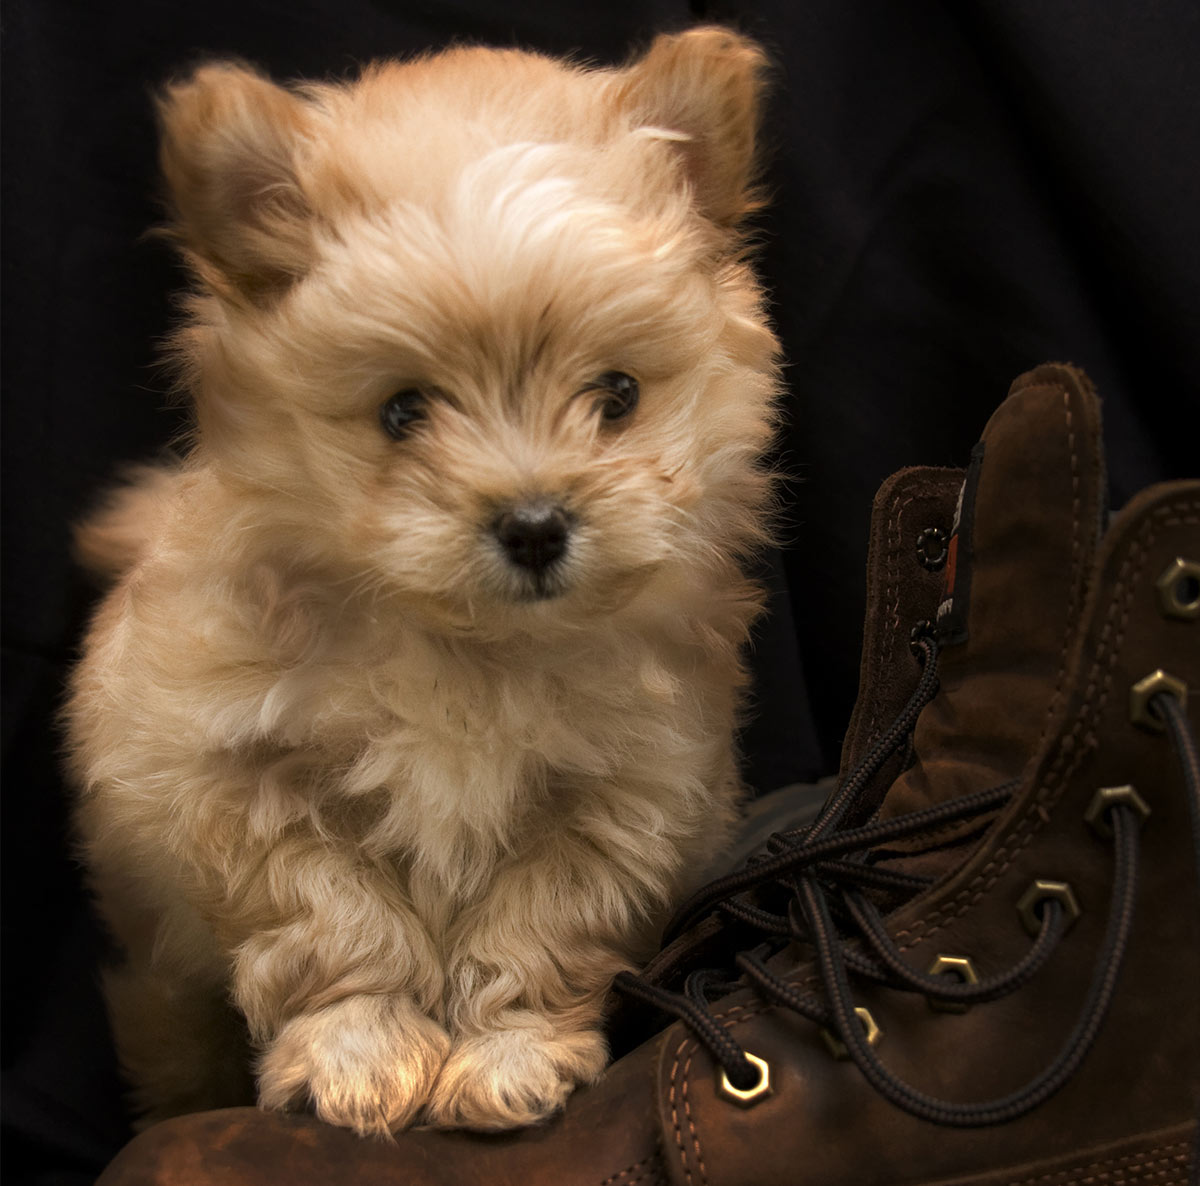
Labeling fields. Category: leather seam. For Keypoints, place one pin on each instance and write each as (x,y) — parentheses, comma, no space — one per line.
(1164,1156)
(891,604)
(624,1175)
(687,1108)
(681,1089)
(1076,585)
(886,642)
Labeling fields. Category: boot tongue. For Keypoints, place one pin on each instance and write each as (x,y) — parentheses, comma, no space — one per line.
(1021,552)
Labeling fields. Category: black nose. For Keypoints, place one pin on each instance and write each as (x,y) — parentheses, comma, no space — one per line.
(533,534)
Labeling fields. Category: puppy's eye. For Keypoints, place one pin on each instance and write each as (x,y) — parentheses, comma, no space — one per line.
(620,395)
(405,409)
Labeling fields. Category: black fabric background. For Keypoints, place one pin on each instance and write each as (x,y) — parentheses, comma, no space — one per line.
(961,190)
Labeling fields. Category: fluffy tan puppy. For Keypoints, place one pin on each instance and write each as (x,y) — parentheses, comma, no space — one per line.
(409,712)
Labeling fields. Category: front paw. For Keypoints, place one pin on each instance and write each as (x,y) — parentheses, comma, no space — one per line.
(516,1073)
(365,1062)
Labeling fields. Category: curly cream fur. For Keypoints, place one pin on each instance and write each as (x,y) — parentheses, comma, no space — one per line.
(338,768)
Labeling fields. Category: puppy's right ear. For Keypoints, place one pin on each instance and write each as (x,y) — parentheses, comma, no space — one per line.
(229,153)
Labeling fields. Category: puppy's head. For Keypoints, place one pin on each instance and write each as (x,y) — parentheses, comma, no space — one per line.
(476,328)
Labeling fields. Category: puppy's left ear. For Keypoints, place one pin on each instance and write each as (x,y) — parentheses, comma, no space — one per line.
(704,88)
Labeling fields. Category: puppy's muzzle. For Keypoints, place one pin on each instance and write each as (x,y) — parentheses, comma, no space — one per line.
(534,534)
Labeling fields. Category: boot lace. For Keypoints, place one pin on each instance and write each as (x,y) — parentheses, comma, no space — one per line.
(815,886)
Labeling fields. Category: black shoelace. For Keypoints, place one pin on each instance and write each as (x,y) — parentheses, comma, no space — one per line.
(820,873)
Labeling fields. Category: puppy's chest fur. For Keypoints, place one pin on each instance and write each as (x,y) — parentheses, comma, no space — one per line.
(449,755)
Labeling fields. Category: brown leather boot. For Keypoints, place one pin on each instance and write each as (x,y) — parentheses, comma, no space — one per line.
(981,965)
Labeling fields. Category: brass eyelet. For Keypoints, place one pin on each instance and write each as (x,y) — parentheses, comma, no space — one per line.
(1040,891)
(1179,589)
(751,1096)
(1106,797)
(962,967)
(873,1033)
(1140,695)
(933,546)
